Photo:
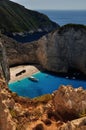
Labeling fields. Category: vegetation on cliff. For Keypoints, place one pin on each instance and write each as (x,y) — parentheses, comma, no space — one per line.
(69,26)
(16,18)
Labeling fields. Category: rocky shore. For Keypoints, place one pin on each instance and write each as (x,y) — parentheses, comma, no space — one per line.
(65,109)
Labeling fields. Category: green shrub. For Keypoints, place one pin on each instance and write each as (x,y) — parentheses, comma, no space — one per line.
(13,113)
(67,26)
(45,98)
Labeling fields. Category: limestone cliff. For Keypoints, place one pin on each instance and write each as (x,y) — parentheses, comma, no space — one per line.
(4,68)
(63,49)
(18,53)
(59,51)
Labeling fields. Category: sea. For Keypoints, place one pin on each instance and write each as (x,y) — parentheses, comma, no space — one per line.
(63,17)
(47,83)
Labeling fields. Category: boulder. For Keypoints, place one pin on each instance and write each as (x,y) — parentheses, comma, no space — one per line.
(70,103)
(78,124)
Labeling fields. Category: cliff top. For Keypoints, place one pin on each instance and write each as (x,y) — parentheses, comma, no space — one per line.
(74,26)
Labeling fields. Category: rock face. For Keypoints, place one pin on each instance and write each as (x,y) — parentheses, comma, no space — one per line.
(78,124)
(18,113)
(18,53)
(70,103)
(64,49)
(59,51)
(6,122)
(4,63)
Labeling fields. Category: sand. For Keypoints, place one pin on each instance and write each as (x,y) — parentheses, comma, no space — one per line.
(29,70)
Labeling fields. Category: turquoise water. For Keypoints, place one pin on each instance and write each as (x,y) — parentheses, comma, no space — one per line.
(47,84)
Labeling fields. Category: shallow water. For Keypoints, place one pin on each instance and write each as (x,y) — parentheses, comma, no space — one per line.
(47,84)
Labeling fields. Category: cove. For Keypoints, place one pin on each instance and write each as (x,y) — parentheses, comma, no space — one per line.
(46,84)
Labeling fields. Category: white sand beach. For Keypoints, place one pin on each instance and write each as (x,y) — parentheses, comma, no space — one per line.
(29,70)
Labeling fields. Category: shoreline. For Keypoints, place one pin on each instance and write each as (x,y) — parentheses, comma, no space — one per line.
(23,71)
(29,70)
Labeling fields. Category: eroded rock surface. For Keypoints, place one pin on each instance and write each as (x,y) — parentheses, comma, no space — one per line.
(59,51)
(6,103)
(78,124)
(4,68)
(70,103)
(63,49)
(19,113)
(18,53)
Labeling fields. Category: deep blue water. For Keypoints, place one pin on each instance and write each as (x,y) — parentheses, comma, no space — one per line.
(26,37)
(63,17)
(47,84)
